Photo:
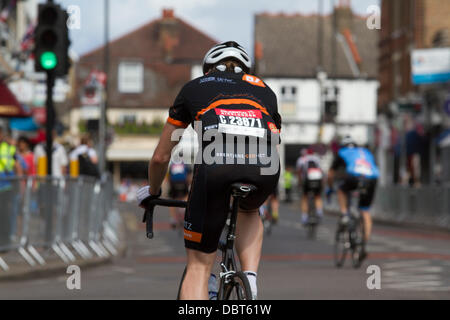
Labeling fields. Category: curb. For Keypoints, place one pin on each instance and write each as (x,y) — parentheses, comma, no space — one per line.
(50,269)
(27,272)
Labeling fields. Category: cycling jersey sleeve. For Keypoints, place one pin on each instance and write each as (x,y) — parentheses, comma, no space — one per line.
(274,108)
(179,114)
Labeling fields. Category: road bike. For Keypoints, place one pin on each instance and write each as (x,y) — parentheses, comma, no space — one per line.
(349,238)
(234,284)
(313,220)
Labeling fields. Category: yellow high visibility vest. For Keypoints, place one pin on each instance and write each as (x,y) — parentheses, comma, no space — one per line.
(7,160)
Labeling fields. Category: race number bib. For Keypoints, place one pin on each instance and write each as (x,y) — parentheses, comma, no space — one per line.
(241,122)
(314,174)
(363,167)
(177,168)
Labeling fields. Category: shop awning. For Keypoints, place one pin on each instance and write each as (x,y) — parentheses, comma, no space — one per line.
(23,124)
(9,106)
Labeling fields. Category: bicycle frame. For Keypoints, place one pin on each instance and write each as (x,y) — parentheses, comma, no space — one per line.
(228,263)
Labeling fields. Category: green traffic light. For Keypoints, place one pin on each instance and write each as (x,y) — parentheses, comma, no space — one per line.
(48,60)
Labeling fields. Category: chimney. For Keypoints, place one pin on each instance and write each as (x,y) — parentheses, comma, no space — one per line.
(168,33)
(344,16)
(168,14)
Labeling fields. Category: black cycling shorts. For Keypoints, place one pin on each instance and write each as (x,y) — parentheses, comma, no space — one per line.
(366,188)
(209,200)
(313,186)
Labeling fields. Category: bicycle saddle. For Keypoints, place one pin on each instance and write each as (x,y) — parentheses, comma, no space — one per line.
(242,189)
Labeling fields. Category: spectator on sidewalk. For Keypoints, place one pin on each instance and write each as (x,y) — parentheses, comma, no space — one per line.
(24,148)
(9,167)
(87,159)
(59,159)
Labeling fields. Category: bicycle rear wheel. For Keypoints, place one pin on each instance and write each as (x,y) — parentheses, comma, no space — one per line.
(340,247)
(237,289)
(181,283)
(358,243)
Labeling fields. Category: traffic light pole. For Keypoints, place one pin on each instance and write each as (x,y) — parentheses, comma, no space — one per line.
(50,121)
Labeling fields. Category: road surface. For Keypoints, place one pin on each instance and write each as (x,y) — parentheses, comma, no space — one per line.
(414,264)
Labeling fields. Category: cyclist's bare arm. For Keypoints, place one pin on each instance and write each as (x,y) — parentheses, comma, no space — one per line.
(159,163)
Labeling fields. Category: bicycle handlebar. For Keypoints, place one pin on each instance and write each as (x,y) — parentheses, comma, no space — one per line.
(150,205)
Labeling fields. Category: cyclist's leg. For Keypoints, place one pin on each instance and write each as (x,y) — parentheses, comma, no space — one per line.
(319,205)
(348,185)
(365,201)
(342,199)
(318,201)
(249,239)
(367,218)
(304,203)
(198,271)
(173,217)
(205,218)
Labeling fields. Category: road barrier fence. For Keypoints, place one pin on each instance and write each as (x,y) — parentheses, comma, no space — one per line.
(70,217)
(425,205)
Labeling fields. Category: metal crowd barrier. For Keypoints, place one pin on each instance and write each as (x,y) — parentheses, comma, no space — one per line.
(427,205)
(70,217)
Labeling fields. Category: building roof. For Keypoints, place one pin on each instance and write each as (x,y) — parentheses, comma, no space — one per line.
(287,46)
(167,47)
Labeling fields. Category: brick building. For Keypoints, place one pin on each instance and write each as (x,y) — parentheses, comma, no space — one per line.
(148,67)
(293,51)
(407,25)
(413,110)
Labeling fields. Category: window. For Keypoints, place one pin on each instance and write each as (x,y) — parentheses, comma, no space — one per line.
(288,100)
(127,119)
(289,93)
(131,77)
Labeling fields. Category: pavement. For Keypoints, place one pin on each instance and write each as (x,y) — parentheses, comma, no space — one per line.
(414,264)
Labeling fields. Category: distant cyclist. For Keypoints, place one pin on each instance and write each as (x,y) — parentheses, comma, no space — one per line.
(229,103)
(355,169)
(310,177)
(179,189)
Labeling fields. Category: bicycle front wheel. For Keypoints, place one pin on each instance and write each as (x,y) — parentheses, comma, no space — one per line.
(238,288)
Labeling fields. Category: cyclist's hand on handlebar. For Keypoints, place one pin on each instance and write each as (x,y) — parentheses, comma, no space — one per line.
(143,195)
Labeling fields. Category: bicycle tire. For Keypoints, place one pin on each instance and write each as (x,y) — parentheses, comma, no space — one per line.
(238,285)
(340,250)
(358,243)
(181,283)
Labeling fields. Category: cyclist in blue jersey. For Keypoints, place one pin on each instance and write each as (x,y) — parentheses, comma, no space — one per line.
(355,169)
(179,174)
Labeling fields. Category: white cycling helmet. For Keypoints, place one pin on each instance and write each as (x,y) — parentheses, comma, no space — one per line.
(347,141)
(229,49)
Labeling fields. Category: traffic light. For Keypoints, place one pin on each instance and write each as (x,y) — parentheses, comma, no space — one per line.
(52,40)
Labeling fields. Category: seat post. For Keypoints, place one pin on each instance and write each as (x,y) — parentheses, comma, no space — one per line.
(233,222)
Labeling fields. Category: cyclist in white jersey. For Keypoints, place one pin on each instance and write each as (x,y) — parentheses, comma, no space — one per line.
(310,177)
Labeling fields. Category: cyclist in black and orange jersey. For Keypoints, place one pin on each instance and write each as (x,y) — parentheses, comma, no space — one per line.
(228,102)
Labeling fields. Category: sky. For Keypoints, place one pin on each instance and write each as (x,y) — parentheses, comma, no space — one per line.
(219,19)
